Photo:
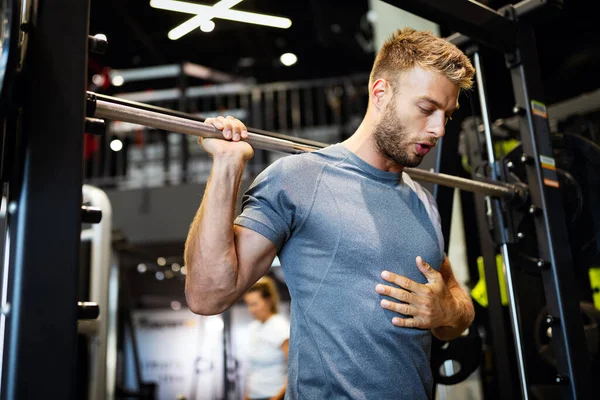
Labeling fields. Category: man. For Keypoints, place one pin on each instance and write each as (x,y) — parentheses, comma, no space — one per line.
(344,221)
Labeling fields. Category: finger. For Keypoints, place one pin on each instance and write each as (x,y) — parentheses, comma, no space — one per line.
(406,322)
(236,128)
(430,273)
(226,127)
(404,309)
(244,130)
(405,283)
(396,293)
(214,122)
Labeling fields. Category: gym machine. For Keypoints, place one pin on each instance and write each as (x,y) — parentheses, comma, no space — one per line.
(45,109)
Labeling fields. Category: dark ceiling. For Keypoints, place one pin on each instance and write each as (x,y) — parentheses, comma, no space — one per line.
(329,38)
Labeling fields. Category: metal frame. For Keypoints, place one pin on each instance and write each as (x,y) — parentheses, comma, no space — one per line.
(102,372)
(44,211)
(496,209)
(502,345)
(573,364)
(473,19)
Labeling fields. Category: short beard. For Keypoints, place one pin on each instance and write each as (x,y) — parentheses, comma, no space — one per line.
(390,138)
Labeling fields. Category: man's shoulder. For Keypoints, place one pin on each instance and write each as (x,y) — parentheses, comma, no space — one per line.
(302,165)
(419,189)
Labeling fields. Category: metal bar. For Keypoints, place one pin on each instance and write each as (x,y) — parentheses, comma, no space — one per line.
(522,8)
(308,107)
(475,20)
(513,306)
(562,299)
(183,107)
(282,112)
(295,110)
(233,88)
(100,265)
(505,191)
(515,320)
(45,208)
(256,104)
(113,111)
(502,345)
(120,112)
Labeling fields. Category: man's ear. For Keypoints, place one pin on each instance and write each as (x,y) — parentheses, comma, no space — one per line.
(380,93)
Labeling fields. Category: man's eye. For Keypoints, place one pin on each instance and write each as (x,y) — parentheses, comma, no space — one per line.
(425,110)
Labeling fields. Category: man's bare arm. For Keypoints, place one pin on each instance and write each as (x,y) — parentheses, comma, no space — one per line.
(223,261)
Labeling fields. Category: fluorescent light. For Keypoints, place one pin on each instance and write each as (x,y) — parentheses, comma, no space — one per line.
(207,26)
(116,145)
(288,59)
(186,27)
(231,15)
(201,20)
(145,73)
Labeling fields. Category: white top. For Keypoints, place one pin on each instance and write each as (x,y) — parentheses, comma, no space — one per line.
(267,368)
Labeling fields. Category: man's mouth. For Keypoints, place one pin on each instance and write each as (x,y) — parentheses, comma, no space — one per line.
(423,148)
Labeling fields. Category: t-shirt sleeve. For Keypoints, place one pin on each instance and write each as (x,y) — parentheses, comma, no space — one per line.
(430,205)
(280,330)
(267,207)
(436,219)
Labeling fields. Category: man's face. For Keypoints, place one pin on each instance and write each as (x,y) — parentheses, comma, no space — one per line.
(414,119)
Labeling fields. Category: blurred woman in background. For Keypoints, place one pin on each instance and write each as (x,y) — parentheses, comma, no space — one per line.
(268,341)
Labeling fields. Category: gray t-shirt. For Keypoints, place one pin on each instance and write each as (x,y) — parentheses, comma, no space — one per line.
(337,222)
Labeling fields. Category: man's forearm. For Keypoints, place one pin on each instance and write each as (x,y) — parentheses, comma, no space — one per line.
(210,254)
(462,316)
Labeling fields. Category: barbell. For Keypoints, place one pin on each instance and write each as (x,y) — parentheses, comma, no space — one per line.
(113,108)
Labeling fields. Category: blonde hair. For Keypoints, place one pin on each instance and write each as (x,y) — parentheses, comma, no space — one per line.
(407,48)
(268,290)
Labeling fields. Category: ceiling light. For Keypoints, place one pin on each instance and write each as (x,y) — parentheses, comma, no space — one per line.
(202,20)
(207,26)
(232,15)
(117,80)
(116,145)
(98,80)
(161,261)
(288,59)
